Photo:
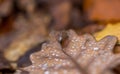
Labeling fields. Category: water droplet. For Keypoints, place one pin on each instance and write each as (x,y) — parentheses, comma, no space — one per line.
(46,72)
(95,48)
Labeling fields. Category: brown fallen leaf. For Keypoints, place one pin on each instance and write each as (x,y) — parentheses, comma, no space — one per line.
(102,10)
(61,11)
(3,62)
(92,28)
(27,5)
(6,8)
(111,29)
(33,31)
(117,49)
(82,55)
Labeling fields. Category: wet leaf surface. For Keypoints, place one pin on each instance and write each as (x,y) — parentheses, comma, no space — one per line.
(83,55)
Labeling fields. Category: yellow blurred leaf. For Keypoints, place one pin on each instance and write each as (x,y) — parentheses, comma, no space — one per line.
(111,29)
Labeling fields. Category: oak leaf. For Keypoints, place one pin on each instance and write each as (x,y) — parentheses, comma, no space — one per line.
(82,55)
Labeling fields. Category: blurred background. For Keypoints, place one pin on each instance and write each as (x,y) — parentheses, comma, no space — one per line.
(25,25)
